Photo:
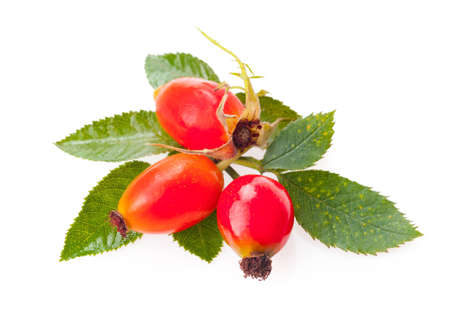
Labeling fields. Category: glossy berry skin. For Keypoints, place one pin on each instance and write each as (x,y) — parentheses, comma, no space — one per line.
(186,109)
(171,195)
(255,215)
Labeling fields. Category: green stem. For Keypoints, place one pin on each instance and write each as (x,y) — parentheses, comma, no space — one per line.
(232,173)
(250,162)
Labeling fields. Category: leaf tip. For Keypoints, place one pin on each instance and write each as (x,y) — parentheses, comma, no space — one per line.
(63,256)
(59,144)
(417,233)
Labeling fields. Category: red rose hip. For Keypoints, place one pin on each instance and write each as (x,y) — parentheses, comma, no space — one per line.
(187,110)
(171,195)
(255,217)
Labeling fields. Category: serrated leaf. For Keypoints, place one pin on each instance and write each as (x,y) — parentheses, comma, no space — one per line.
(161,69)
(91,233)
(118,138)
(203,240)
(342,213)
(301,143)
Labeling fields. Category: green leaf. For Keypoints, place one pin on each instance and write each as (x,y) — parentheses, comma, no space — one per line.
(301,143)
(341,213)
(272,109)
(91,233)
(118,138)
(203,240)
(161,69)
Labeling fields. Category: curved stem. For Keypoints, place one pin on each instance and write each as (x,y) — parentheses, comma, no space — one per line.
(249,162)
(232,172)
(224,164)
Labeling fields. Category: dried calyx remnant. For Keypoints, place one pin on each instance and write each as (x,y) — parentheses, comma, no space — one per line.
(117,221)
(258,267)
(246,133)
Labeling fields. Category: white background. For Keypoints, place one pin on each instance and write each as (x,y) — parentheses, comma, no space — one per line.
(383,65)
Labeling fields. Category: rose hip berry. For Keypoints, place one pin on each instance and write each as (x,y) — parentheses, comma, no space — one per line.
(171,195)
(255,217)
(187,110)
